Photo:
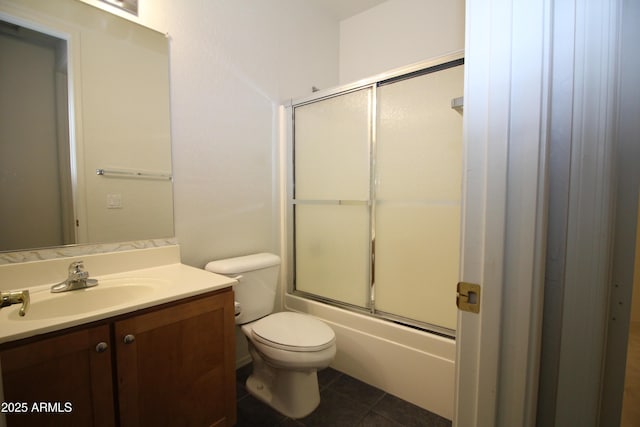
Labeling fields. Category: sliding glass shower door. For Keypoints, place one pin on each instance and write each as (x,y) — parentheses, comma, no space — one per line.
(418,192)
(376,197)
(332,193)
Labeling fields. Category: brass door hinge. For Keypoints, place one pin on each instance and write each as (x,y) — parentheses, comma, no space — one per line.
(468,298)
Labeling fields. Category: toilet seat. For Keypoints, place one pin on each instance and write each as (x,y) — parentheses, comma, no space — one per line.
(293,332)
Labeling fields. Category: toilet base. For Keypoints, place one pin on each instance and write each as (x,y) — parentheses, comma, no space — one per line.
(294,393)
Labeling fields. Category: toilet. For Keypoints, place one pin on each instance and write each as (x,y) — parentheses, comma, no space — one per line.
(287,348)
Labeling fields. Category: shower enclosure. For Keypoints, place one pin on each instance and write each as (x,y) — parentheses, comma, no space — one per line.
(374,187)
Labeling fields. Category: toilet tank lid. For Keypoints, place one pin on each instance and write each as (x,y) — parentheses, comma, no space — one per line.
(243,264)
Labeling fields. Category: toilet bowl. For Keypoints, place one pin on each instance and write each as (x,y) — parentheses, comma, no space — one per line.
(285,364)
(286,348)
(292,340)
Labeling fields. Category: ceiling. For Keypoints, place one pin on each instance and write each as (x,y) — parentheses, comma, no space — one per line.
(343,9)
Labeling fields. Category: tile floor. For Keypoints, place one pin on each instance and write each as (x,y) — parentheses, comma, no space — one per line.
(344,401)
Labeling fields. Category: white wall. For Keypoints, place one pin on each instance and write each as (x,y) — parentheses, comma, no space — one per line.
(397,33)
(232,63)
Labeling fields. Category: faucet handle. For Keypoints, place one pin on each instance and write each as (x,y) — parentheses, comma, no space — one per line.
(76,270)
(76,266)
(24,297)
(16,297)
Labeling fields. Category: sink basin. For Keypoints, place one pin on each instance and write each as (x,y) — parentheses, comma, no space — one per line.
(109,293)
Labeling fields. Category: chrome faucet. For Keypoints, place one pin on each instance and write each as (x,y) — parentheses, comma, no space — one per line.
(15,297)
(78,279)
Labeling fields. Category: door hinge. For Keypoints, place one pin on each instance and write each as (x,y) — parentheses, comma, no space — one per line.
(468,298)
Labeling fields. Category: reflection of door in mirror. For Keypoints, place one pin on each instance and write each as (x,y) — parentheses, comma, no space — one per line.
(36,208)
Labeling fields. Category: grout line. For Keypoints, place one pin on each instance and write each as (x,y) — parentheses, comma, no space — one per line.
(333,381)
(378,401)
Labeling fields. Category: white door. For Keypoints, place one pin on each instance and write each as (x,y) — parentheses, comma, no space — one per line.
(506,54)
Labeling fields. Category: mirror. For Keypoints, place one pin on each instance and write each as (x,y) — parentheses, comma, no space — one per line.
(116,74)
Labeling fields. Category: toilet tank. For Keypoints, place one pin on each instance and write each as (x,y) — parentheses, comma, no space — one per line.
(257,277)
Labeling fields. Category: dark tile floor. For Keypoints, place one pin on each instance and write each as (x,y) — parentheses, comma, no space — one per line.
(344,401)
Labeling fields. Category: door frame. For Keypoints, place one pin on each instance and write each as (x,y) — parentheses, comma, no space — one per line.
(503,232)
(514,113)
(626,215)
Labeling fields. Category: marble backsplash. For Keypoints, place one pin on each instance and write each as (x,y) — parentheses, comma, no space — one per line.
(79,250)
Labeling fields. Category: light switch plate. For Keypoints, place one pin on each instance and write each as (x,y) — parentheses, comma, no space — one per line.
(114,201)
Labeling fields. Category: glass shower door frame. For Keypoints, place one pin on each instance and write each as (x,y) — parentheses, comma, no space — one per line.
(372,84)
(294,202)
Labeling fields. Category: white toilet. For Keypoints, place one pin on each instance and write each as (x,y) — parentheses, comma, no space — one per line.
(287,348)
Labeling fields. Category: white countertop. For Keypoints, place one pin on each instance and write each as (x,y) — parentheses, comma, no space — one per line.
(170,282)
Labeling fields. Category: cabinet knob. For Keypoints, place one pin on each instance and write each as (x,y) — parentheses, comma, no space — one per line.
(101,347)
(129,338)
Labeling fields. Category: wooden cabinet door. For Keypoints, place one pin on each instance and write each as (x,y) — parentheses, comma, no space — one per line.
(64,380)
(176,365)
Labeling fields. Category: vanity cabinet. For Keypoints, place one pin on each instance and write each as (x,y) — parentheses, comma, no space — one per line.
(176,366)
(173,365)
(61,380)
